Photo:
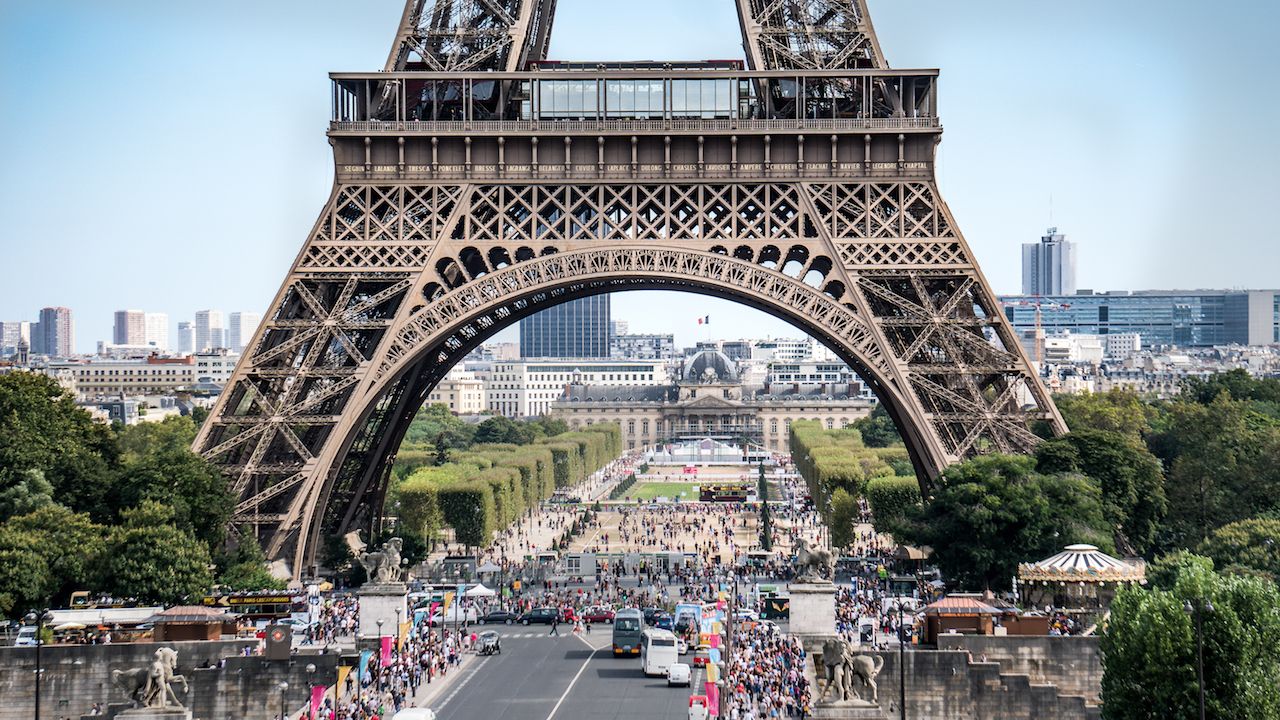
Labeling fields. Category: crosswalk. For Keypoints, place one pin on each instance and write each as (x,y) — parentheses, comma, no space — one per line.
(544,633)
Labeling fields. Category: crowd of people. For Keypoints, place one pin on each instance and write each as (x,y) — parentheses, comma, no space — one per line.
(765,674)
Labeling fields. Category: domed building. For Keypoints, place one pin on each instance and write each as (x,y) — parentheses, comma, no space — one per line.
(709,400)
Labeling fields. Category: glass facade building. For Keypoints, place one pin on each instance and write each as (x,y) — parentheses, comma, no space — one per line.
(575,329)
(1196,318)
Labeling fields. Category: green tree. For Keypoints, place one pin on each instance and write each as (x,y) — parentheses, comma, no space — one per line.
(877,429)
(1006,513)
(69,543)
(893,500)
(26,491)
(766,513)
(1163,572)
(246,568)
(1149,649)
(442,449)
(1248,545)
(1119,411)
(1238,384)
(42,430)
(191,486)
(844,519)
(1221,466)
(25,581)
(149,558)
(1133,496)
(434,421)
(500,429)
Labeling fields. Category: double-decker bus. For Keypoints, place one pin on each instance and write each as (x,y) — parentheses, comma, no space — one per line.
(261,608)
(723,492)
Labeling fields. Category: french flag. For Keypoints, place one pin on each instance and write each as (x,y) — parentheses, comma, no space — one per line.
(704,320)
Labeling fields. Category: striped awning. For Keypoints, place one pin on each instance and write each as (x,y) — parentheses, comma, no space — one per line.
(1081,563)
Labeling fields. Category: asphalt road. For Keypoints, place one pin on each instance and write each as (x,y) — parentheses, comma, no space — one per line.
(559,678)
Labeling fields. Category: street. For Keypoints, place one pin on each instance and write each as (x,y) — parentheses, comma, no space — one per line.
(541,677)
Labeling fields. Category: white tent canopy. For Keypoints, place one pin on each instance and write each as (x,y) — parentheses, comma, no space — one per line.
(479,591)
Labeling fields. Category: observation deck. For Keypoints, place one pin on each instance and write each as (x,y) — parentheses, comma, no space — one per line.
(634,121)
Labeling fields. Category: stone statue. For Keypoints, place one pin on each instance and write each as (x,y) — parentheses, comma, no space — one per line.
(709,375)
(152,686)
(812,564)
(843,667)
(383,566)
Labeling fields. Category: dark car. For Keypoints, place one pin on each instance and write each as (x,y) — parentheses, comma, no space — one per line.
(664,621)
(498,616)
(543,615)
(649,614)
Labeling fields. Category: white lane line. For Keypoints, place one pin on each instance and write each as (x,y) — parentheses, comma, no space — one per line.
(574,681)
(461,684)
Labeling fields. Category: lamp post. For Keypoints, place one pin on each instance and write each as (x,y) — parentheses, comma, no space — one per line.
(284,687)
(902,665)
(1197,610)
(379,656)
(397,641)
(311,671)
(39,620)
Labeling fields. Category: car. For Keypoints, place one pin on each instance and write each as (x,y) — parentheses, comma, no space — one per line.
(679,674)
(664,621)
(26,636)
(649,614)
(567,615)
(454,616)
(497,617)
(701,657)
(598,614)
(489,643)
(542,615)
(682,646)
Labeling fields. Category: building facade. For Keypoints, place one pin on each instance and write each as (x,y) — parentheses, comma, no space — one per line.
(54,334)
(1194,318)
(575,329)
(709,400)
(461,391)
(240,329)
(643,347)
(115,378)
(1049,266)
(186,338)
(527,388)
(130,328)
(210,330)
(215,366)
(13,332)
(157,333)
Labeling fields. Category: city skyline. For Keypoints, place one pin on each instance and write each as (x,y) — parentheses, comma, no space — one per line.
(1121,164)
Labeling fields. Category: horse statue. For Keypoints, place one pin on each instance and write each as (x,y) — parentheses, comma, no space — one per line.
(812,564)
(152,686)
(843,667)
(383,566)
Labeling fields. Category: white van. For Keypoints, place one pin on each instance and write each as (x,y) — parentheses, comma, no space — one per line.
(658,652)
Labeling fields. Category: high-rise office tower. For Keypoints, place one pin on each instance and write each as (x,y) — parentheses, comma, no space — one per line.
(55,333)
(1049,266)
(240,329)
(186,338)
(576,329)
(130,328)
(209,330)
(11,333)
(158,330)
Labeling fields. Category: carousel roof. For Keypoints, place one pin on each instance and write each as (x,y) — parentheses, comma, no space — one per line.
(1081,563)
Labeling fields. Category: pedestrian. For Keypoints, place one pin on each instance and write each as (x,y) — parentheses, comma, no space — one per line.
(555,626)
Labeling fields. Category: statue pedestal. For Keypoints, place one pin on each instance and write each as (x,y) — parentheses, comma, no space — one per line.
(173,713)
(380,602)
(813,610)
(841,711)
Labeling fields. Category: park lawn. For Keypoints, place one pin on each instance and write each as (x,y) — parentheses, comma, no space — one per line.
(650,490)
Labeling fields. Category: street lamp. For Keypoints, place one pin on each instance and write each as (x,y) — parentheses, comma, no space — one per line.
(397,641)
(39,620)
(379,655)
(284,687)
(311,671)
(1197,610)
(902,665)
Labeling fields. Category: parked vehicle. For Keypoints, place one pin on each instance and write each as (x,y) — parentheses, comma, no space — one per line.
(455,616)
(496,617)
(598,614)
(649,614)
(26,636)
(542,615)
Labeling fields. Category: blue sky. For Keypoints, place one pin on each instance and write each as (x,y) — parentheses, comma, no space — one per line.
(170,156)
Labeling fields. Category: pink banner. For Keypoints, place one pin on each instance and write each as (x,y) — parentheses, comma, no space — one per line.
(714,640)
(317,700)
(385,657)
(713,699)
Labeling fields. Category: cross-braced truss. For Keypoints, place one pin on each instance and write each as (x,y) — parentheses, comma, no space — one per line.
(402,276)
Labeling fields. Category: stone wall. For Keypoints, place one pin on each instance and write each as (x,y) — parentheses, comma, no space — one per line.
(77,676)
(1073,664)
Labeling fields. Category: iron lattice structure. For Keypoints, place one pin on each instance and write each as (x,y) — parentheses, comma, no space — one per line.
(471,192)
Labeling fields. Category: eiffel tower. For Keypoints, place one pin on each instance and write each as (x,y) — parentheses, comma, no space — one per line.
(477,183)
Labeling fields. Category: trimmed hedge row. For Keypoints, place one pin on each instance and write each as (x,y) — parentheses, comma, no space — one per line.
(490,486)
(891,499)
(830,459)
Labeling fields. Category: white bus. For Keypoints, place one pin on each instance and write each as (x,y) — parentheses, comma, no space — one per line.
(658,652)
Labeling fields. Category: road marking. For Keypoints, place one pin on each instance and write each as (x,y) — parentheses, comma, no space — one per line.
(461,684)
(574,681)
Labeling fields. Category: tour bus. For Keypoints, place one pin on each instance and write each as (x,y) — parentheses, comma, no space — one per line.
(657,652)
(628,627)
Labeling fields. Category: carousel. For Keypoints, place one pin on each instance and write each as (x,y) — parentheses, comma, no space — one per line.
(1081,578)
